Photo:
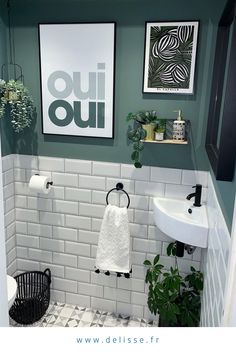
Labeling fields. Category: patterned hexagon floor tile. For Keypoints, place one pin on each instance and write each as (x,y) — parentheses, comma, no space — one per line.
(63,315)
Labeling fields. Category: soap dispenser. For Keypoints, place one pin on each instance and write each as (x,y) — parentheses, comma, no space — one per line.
(179,127)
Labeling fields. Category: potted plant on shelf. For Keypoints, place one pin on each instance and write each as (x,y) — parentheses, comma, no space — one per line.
(15,99)
(143,129)
(150,121)
(160,129)
(174,297)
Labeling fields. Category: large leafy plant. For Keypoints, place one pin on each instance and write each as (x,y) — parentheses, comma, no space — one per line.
(15,99)
(138,133)
(174,297)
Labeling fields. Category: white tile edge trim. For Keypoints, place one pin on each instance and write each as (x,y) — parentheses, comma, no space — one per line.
(212,187)
(229,318)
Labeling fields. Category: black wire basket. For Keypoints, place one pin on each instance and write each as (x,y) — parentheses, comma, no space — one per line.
(33,296)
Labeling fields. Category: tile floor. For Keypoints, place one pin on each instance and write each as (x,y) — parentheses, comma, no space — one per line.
(64,315)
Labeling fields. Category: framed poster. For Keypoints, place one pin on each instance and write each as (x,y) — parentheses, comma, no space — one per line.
(170,55)
(77,78)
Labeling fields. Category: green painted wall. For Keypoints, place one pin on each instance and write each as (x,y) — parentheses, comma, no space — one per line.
(226,192)
(2,35)
(130,16)
(7,139)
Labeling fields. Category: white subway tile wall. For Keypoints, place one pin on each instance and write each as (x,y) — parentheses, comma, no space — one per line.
(214,263)
(9,211)
(60,230)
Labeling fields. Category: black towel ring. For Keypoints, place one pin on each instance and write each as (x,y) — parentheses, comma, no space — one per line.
(119,187)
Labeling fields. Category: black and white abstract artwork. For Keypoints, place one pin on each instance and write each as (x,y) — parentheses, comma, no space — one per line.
(170,56)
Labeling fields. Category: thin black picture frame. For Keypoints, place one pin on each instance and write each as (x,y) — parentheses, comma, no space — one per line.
(221,132)
(114,76)
(156,90)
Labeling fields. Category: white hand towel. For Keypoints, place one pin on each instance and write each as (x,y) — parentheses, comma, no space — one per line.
(113,251)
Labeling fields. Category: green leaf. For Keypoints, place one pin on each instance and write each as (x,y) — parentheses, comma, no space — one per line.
(171,249)
(147,262)
(135,155)
(148,277)
(150,305)
(166,274)
(131,134)
(168,250)
(176,309)
(129,117)
(156,259)
(176,298)
(137,164)
(143,134)
(158,267)
(139,146)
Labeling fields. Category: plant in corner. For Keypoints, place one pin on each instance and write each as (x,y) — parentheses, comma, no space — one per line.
(138,133)
(15,99)
(174,297)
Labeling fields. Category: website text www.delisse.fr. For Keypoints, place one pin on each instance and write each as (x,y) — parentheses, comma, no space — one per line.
(117,340)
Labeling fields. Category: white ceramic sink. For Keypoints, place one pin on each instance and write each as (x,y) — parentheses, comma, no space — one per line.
(172,217)
(11,290)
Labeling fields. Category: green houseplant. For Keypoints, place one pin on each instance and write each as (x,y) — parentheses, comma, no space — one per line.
(142,120)
(16,100)
(174,297)
(160,129)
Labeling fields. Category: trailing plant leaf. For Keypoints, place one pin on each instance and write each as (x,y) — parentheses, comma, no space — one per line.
(137,164)
(131,134)
(135,156)
(134,135)
(129,117)
(138,133)
(139,146)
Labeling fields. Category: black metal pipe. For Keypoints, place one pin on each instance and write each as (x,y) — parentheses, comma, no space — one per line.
(179,249)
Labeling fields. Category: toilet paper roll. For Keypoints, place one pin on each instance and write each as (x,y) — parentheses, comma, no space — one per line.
(39,184)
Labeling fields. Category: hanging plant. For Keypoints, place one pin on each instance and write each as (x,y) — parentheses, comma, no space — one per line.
(15,97)
(138,133)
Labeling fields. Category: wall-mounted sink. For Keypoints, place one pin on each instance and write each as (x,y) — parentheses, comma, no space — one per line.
(180,220)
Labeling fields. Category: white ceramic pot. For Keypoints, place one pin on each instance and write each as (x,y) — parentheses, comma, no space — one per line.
(159,136)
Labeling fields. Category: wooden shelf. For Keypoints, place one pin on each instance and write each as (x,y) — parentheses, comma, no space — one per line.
(167,141)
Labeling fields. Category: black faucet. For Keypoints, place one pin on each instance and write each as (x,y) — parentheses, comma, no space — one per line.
(197,195)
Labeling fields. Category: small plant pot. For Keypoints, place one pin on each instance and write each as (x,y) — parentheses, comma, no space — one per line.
(150,131)
(159,136)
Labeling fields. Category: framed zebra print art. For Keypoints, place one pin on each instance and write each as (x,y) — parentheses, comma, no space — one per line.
(170,56)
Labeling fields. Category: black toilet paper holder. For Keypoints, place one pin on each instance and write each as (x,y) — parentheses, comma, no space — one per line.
(48,183)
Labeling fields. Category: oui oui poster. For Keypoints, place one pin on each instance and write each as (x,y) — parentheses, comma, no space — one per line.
(77,78)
